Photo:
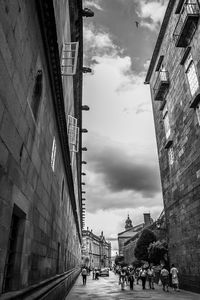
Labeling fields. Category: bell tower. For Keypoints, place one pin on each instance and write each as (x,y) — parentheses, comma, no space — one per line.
(128,223)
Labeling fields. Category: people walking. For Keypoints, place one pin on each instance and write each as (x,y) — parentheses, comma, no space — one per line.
(137,277)
(122,278)
(143,276)
(174,273)
(165,279)
(84,275)
(150,275)
(131,279)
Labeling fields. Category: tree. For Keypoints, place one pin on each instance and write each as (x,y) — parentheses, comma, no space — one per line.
(158,251)
(141,250)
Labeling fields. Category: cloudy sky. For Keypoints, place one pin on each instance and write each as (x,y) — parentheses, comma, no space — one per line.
(122,165)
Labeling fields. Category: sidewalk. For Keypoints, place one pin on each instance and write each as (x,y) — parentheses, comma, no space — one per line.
(107,288)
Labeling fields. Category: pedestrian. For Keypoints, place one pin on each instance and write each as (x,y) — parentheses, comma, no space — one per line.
(137,272)
(165,278)
(97,274)
(122,278)
(175,282)
(151,275)
(143,276)
(84,275)
(131,279)
(93,273)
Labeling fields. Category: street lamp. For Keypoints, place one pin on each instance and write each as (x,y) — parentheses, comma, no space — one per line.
(84,149)
(83,174)
(84,162)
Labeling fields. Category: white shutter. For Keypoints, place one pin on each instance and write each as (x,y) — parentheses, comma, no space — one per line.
(73,134)
(69,58)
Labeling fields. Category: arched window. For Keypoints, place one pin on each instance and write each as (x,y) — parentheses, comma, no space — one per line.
(37,94)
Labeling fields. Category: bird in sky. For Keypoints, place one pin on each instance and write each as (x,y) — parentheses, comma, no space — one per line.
(137,24)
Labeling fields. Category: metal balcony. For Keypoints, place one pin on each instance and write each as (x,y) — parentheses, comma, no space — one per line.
(161,86)
(187,24)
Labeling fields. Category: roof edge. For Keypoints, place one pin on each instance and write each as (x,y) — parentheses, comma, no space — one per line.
(159,40)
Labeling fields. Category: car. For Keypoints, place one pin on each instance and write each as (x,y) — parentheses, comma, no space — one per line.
(104,272)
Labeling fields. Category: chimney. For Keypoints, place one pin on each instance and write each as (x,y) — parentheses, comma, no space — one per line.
(147,219)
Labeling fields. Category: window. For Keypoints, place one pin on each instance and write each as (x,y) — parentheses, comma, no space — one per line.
(37,94)
(69,58)
(53,154)
(171,156)
(73,134)
(191,74)
(197,109)
(12,271)
(166,122)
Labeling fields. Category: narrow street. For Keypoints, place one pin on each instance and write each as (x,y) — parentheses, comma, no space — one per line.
(107,288)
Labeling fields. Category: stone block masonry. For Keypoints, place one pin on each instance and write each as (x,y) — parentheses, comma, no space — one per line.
(41,230)
(180,160)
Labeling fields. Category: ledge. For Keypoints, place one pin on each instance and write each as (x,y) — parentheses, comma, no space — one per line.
(41,289)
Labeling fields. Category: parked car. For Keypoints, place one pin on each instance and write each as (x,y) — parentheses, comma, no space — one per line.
(104,272)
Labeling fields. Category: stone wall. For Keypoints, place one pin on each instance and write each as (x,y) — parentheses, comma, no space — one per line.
(48,235)
(180,180)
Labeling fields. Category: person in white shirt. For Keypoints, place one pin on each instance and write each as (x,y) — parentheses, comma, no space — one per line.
(175,282)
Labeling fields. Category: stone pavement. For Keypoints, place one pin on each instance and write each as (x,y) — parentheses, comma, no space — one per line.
(107,288)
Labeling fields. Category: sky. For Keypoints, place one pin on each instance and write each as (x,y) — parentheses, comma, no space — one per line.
(122,163)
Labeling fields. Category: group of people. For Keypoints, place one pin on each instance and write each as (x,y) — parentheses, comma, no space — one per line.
(86,271)
(128,275)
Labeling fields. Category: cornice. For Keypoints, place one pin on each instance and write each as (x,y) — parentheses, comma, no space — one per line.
(47,21)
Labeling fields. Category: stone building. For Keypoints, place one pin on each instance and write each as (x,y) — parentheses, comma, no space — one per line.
(96,251)
(173,75)
(130,231)
(158,227)
(40,139)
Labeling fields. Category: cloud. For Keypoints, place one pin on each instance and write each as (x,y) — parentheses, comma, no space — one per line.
(97,43)
(151,13)
(93,3)
(118,178)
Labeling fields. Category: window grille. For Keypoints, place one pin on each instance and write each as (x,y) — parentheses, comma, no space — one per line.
(69,58)
(73,134)
(53,154)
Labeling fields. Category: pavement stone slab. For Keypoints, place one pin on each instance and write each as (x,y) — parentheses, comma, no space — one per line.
(107,288)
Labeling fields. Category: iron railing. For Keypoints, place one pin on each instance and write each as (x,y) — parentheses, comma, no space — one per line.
(190,9)
(161,85)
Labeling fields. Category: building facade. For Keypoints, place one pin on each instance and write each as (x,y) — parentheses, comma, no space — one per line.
(40,139)
(173,75)
(158,227)
(131,231)
(96,251)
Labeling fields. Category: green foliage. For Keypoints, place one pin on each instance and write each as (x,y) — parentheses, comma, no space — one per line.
(137,263)
(158,251)
(141,250)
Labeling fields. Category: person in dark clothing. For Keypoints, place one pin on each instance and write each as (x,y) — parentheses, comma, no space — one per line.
(143,276)
(131,279)
(84,275)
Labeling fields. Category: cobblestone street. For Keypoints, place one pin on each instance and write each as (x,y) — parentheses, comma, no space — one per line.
(107,288)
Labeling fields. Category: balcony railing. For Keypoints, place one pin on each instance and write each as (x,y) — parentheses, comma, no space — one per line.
(187,24)
(161,86)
